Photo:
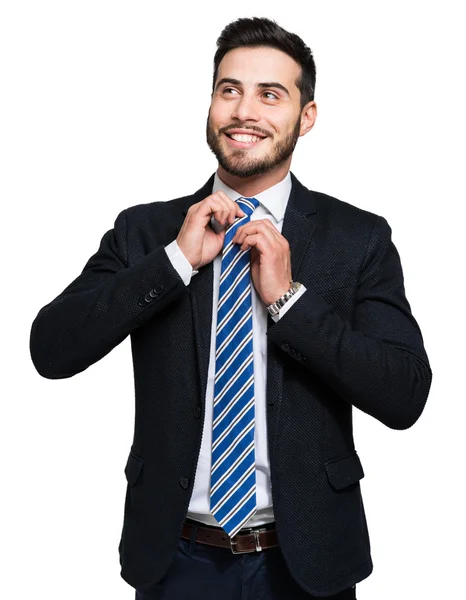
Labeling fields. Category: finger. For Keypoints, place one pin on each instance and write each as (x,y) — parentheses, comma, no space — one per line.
(236,212)
(269,224)
(222,210)
(271,227)
(265,242)
(218,206)
(202,212)
(258,224)
(260,241)
(230,210)
(253,227)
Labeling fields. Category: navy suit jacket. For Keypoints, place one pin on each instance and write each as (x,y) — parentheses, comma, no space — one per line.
(350,340)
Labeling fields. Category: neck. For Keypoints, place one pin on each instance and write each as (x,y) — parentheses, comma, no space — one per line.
(251,186)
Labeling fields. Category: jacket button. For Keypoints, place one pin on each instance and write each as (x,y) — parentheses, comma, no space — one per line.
(158,289)
(147,298)
(197,411)
(286,347)
(152,293)
(184,482)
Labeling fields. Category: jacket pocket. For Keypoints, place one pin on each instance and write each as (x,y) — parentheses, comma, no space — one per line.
(133,468)
(344,472)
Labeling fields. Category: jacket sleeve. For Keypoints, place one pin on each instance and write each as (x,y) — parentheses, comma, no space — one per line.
(378,363)
(102,306)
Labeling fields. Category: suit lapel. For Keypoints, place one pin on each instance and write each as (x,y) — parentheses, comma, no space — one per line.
(201,295)
(299,224)
(298,228)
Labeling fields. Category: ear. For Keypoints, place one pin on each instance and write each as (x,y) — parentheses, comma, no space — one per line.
(308,117)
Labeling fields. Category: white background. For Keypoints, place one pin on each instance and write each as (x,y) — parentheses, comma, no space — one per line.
(103,106)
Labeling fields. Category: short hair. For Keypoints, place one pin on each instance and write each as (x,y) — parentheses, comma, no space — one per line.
(260,31)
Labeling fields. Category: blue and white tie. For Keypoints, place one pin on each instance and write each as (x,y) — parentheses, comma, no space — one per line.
(233,470)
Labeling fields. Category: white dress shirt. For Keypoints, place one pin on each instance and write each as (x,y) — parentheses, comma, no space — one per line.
(272,206)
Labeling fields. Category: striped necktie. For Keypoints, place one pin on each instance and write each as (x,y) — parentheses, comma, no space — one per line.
(233,470)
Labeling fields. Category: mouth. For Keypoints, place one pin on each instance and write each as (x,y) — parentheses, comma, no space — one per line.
(237,144)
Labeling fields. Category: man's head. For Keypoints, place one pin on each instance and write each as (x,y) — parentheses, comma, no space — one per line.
(251,53)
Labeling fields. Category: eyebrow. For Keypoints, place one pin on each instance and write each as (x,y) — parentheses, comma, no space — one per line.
(268,84)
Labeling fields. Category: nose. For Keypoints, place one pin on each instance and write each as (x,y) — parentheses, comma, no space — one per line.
(246,109)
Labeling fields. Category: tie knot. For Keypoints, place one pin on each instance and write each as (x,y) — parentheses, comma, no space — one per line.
(248,205)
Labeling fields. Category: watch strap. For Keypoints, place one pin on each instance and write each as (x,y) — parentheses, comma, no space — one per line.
(274,308)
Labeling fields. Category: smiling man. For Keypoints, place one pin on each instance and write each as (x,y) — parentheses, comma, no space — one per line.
(260,313)
(254,124)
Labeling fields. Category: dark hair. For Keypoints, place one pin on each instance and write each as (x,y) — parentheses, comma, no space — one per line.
(259,31)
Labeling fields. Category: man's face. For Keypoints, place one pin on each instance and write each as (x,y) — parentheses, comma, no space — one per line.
(266,110)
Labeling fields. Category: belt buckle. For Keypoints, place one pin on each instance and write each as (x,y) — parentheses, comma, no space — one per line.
(258,547)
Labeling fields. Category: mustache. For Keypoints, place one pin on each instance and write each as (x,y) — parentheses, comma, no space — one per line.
(246,129)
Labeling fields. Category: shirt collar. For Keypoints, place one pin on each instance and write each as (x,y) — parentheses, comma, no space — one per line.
(274,199)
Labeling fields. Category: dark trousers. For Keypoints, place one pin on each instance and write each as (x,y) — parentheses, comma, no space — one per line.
(202,572)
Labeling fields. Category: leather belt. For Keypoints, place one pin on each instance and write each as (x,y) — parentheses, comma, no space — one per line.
(254,539)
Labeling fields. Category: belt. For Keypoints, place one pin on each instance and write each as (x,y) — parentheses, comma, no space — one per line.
(254,539)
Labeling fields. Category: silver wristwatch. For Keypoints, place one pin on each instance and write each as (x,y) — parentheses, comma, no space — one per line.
(274,308)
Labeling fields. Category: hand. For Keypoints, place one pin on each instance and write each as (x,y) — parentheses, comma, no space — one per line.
(196,239)
(270,258)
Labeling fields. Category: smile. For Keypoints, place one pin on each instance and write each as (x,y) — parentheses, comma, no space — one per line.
(238,144)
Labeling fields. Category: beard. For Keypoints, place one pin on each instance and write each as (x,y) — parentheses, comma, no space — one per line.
(241,162)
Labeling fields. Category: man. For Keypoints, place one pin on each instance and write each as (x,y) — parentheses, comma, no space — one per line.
(260,313)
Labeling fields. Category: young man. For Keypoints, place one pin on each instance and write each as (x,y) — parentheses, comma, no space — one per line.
(260,313)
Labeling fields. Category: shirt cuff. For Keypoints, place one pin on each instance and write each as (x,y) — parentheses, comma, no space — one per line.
(180,262)
(289,304)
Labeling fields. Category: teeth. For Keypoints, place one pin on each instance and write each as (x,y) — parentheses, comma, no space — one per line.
(245,138)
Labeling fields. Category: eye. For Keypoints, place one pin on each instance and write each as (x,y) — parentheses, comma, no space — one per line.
(275,97)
